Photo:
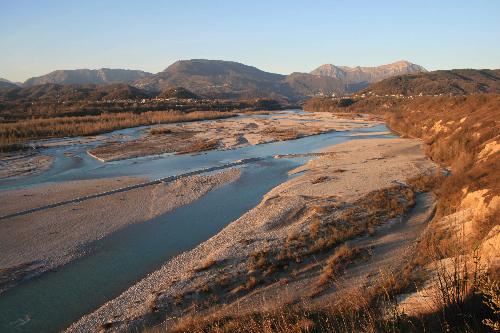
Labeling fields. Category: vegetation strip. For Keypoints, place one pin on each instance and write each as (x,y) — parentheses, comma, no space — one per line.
(128,188)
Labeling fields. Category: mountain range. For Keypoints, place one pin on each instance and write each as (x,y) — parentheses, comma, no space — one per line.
(228,79)
(232,80)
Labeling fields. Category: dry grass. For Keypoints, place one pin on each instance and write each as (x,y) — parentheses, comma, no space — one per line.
(335,263)
(356,312)
(199,146)
(373,310)
(206,265)
(160,131)
(17,133)
(282,134)
(320,244)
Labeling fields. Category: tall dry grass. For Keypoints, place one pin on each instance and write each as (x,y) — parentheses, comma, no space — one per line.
(12,135)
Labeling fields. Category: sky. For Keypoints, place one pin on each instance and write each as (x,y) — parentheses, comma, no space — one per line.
(281,36)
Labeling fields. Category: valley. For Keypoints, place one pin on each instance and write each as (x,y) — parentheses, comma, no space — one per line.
(193,203)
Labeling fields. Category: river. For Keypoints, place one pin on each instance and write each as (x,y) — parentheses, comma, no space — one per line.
(54,300)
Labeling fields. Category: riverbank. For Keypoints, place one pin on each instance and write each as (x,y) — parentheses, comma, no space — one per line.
(34,243)
(245,260)
(461,244)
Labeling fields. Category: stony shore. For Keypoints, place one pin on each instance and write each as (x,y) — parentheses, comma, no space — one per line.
(228,133)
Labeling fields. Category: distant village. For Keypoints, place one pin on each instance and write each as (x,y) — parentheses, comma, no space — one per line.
(372,94)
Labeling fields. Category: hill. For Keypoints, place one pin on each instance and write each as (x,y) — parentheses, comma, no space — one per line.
(5,84)
(57,93)
(356,78)
(101,76)
(455,82)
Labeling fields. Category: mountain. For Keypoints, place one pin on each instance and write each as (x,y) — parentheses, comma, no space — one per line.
(214,78)
(4,83)
(51,92)
(356,78)
(101,76)
(456,82)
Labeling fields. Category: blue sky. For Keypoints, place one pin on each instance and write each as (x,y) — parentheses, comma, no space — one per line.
(37,37)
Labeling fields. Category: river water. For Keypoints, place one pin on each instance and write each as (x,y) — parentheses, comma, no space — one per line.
(54,300)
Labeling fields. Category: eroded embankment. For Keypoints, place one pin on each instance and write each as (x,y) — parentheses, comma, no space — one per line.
(287,240)
(463,134)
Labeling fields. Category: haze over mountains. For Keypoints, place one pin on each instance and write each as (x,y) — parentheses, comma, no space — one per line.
(228,79)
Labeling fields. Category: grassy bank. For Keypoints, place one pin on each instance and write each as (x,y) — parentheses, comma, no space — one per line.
(13,135)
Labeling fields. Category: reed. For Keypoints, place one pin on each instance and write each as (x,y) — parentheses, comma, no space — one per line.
(13,135)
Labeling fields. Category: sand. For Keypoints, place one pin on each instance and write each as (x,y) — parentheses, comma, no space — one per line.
(346,172)
(33,243)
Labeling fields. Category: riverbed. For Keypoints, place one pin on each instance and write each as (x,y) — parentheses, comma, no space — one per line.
(52,301)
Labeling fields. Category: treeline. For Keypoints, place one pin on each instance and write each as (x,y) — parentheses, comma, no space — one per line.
(22,111)
(327,104)
(51,111)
